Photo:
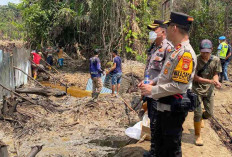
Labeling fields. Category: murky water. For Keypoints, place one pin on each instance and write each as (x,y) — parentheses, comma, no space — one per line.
(73,91)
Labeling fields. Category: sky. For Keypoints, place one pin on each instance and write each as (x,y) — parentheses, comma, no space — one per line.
(5,2)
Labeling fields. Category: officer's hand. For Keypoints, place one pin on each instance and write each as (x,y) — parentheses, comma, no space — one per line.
(145,89)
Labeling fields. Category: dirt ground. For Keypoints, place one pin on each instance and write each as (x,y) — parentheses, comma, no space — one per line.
(79,127)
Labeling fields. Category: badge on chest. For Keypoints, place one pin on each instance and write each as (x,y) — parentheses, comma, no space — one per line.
(184,68)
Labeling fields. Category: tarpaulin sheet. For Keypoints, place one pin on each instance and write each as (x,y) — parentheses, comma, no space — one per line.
(89,86)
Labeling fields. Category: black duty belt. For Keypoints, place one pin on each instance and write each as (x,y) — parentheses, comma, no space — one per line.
(186,102)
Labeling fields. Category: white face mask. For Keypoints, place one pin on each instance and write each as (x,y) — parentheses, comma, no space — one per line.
(152,36)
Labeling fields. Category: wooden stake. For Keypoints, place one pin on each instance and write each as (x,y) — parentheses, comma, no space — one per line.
(34,150)
(17,94)
(3,150)
(118,96)
(29,76)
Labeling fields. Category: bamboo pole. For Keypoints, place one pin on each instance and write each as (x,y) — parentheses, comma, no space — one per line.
(51,66)
(17,94)
(29,76)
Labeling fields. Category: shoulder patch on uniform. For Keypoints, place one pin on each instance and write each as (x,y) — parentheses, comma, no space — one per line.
(184,68)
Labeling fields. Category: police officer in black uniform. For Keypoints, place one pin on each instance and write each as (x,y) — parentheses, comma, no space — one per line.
(157,54)
(172,85)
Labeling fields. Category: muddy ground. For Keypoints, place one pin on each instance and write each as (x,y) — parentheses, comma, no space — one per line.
(69,126)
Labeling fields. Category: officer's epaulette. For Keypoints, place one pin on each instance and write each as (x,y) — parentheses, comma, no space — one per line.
(171,47)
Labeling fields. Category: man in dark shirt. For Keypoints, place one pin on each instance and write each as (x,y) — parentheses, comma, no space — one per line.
(95,72)
(116,71)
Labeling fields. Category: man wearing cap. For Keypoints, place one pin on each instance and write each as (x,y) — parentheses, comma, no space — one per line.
(95,72)
(157,54)
(205,79)
(223,55)
(174,80)
(227,61)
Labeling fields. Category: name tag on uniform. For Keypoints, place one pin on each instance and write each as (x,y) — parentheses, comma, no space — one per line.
(184,68)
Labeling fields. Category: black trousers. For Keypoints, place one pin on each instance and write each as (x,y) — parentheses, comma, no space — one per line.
(151,107)
(152,114)
(223,61)
(168,133)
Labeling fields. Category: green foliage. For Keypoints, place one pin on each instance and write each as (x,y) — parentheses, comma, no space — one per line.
(205,22)
(9,20)
(209,20)
(107,24)
(141,57)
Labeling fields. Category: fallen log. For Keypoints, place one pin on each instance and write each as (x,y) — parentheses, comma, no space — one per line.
(34,150)
(17,94)
(41,91)
(3,150)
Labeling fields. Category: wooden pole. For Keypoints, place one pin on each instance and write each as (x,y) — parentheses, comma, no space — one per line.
(34,150)
(51,66)
(3,150)
(17,94)
(29,76)
(126,103)
(48,73)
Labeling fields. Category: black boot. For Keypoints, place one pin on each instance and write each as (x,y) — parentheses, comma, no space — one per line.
(147,154)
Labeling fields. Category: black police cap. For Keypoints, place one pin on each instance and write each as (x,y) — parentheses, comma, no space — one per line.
(156,24)
(180,19)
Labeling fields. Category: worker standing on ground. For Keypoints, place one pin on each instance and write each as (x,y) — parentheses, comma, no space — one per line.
(157,54)
(95,72)
(36,60)
(227,61)
(49,52)
(223,55)
(174,80)
(116,72)
(60,57)
(206,77)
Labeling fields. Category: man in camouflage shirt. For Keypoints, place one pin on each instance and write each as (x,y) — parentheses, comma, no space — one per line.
(205,79)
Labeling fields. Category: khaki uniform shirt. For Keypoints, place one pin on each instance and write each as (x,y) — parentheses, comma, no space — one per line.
(176,75)
(157,58)
(205,89)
